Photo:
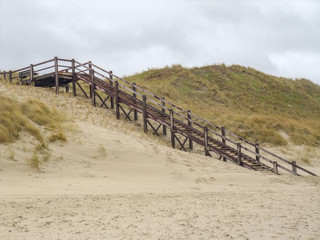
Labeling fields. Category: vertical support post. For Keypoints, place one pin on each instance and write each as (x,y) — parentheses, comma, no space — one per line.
(275,167)
(56,74)
(257,152)
(74,89)
(10,76)
(206,147)
(223,134)
(5,75)
(117,99)
(144,113)
(173,143)
(164,128)
(31,73)
(90,71)
(294,168)
(239,153)
(111,83)
(135,112)
(93,92)
(190,125)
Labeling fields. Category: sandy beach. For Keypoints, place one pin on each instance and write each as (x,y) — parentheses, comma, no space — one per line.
(109,181)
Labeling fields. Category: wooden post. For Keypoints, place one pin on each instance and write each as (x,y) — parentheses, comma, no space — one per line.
(223,139)
(10,76)
(90,86)
(294,168)
(239,153)
(93,92)
(275,167)
(190,125)
(206,147)
(117,100)
(144,113)
(257,152)
(4,75)
(31,73)
(173,143)
(135,112)
(56,74)
(164,128)
(74,89)
(111,83)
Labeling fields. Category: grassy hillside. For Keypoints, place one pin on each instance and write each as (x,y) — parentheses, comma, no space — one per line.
(252,104)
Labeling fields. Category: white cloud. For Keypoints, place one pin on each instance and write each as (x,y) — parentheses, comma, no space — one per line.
(129,36)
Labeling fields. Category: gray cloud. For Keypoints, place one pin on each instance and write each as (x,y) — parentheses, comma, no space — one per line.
(278,37)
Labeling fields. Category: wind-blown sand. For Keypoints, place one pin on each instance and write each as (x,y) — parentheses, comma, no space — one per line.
(109,182)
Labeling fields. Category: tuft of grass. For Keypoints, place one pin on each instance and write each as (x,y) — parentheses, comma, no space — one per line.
(13,121)
(11,153)
(35,161)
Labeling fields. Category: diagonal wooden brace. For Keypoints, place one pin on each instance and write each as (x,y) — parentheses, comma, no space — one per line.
(155,130)
(103,101)
(182,145)
(126,114)
(82,89)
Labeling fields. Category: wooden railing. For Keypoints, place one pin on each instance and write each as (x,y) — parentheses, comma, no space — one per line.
(211,131)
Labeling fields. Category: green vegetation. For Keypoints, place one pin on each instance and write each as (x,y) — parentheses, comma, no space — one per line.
(30,116)
(250,103)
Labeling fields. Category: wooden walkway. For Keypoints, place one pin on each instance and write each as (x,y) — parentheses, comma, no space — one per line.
(158,114)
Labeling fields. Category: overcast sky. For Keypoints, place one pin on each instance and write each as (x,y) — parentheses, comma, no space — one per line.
(275,36)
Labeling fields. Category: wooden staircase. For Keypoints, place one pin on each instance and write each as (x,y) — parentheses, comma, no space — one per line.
(128,98)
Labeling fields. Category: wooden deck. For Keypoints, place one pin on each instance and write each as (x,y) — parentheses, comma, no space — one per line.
(158,115)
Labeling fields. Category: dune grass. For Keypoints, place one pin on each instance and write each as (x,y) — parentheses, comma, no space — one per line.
(255,105)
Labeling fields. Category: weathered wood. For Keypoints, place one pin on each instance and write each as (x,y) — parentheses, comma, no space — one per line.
(4,75)
(74,89)
(90,86)
(10,77)
(144,113)
(93,89)
(163,110)
(157,112)
(173,144)
(257,152)
(206,144)
(135,112)
(190,125)
(31,73)
(239,153)
(111,84)
(117,99)
(294,168)
(275,168)
(56,70)
(223,140)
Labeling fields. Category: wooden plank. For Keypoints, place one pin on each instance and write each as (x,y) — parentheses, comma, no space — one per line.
(223,140)
(56,74)
(135,113)
(93,90)
(117,99)
(173,144)
(144,110)
(239,154)
(164,128)
(74,89)
(190,125)
(111,84)
(257,152)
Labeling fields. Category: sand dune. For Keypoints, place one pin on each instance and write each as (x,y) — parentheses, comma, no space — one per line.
(112,182)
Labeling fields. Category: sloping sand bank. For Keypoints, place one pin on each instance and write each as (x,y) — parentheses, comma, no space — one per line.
(104,184)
